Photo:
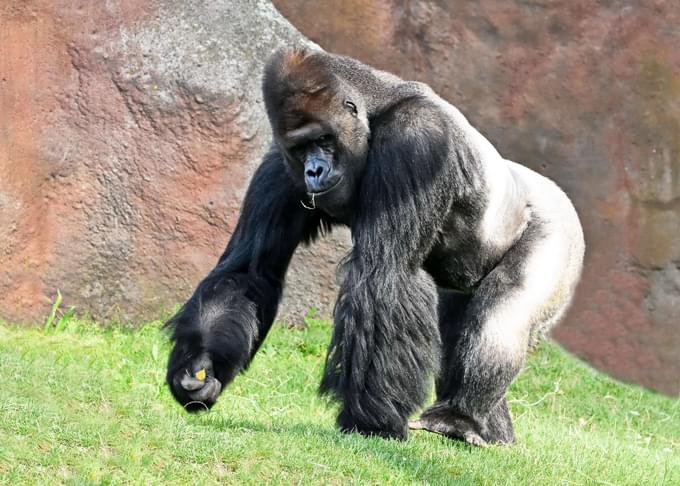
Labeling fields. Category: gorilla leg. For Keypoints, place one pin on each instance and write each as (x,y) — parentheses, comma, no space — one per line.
(384,346)
(486,337)
(385,342)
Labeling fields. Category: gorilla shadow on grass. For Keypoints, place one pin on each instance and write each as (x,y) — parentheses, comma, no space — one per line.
(387,452)
(460,257)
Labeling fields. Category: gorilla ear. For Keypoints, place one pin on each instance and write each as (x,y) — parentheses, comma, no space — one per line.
(351,107)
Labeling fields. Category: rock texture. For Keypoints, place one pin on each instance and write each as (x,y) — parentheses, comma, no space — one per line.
(128,132)
(585,92)
(129,129)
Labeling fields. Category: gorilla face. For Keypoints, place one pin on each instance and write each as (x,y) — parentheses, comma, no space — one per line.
(321,127)
(328,155)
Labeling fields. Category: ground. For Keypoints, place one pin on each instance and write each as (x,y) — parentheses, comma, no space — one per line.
(81,404)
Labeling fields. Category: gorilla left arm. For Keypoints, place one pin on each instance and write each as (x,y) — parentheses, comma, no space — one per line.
(224,322)
(386,338)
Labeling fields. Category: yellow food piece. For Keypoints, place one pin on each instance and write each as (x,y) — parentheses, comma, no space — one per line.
(200,374)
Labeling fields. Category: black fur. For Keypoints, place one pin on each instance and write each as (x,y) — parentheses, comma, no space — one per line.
(449,239)
(386,342)
(231,311)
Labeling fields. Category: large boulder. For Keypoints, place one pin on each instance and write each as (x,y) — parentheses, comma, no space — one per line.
(128,133)
(129,129)
(587,93)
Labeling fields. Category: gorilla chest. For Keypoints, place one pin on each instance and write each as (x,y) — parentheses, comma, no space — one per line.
(474,238)
(459,259)
(460,267)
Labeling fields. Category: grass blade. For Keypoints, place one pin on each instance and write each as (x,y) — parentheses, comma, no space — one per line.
(53,312)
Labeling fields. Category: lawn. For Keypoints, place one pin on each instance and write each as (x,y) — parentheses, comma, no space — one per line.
(86,405)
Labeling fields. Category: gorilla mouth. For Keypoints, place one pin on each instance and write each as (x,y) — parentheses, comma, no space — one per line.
(326,191)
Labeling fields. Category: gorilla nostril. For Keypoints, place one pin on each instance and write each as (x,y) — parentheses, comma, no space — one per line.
(315,173)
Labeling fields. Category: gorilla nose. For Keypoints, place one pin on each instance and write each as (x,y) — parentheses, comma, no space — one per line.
(316,174)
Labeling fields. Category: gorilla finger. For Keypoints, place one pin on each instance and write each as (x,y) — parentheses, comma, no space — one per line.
(190,383)
(209,392)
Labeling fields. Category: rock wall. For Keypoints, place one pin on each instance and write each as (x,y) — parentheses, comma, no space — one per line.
(128,133)
(585,92)
(129,129)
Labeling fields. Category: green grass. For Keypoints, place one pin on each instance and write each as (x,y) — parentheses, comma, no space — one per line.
(86,405)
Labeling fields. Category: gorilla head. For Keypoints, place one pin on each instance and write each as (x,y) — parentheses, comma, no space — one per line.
(320,126)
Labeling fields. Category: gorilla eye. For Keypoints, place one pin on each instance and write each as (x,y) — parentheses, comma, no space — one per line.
(351,107)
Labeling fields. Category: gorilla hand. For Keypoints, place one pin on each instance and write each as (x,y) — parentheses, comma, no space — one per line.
(195,385)
(214,335)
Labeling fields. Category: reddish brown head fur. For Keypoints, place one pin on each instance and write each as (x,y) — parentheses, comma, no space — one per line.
(298,88)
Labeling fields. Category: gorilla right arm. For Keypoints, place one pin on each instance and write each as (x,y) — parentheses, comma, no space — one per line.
(224,322)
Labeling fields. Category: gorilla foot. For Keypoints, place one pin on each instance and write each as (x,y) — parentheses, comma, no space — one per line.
(469,436)
(456,430)
(394,431)
(494,429)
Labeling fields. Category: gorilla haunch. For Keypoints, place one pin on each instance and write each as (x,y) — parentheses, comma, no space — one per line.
(460,256)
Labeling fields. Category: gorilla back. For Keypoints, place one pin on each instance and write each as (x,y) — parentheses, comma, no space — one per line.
(459,256)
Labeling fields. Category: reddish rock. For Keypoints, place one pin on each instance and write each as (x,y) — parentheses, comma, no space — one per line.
(585,92)
(128,134)
(128,131)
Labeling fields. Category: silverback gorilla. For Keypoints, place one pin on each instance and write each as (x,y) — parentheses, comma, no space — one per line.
(460,257)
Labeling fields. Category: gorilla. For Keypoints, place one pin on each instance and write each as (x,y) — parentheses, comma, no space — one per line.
(460,257)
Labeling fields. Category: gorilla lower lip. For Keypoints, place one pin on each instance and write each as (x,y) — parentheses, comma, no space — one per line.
(321,193)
